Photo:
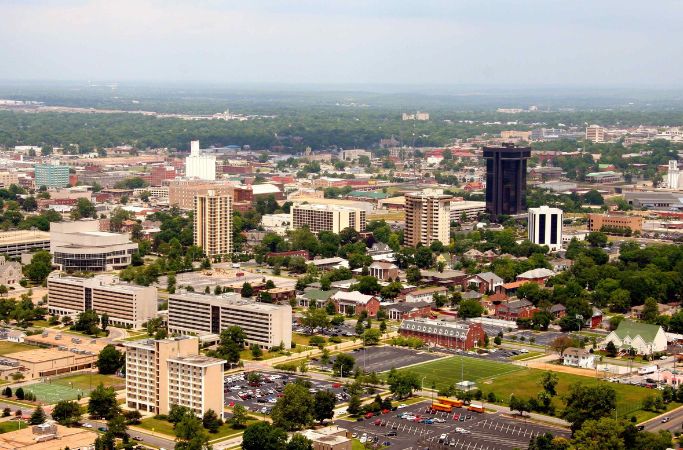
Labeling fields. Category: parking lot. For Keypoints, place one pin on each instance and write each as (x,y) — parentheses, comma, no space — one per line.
(545,338)
(460,429)
(381,359)
(261,397)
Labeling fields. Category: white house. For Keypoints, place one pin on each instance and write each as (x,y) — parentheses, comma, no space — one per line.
(644,338)
(578,357)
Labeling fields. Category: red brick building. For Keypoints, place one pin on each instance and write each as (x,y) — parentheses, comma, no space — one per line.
(404,311)
(303,253)
(458,335)
(515,309)
(354,302)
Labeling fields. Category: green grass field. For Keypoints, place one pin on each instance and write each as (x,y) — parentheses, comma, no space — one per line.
(69,388)
(12,425)
(448,371)
(165,427)
(506,379)
(13,347)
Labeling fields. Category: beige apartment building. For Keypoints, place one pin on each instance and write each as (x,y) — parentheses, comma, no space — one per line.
(125,304)
(597,221)
(8,178)
(162,373)
(595,133)
(213,223)
(326,217)
(181,193)
(427,217)
(265,324)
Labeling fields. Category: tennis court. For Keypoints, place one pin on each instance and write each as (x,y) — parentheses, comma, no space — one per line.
(52,393)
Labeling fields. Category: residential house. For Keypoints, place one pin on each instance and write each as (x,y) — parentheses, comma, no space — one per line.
(383,270)
(317,296)
(425,294)
(644,338)
(445,278)
(539,276)
(515,309)
(578,357)
(484,282)
(558,311)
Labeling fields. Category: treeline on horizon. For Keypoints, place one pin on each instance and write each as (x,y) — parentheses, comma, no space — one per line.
(294,128)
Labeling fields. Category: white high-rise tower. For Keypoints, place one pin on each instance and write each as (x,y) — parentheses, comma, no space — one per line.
(198,165)
(673,178)
(545,227)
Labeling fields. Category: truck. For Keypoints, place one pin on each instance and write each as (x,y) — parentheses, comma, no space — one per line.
(442,407)
(476,407)
(647,370)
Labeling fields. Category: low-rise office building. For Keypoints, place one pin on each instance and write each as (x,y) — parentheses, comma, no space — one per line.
(162,373)
(459,335)
(470,209)
(608,222)
(81,247)
(264,324)
(125,304)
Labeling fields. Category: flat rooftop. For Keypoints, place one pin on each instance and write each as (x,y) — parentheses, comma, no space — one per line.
(230,300)
(23,236)
(198,360)
(24,439)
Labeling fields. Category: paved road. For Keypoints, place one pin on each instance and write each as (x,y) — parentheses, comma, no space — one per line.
(147,437)
(672,425)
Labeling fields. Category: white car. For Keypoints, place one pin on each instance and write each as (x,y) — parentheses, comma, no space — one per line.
(87,425)
(402,405)
(442,437)
(438,420)
(364,438)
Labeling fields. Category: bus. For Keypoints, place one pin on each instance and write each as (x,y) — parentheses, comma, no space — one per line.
(442,407)
(455,403)
(476,407)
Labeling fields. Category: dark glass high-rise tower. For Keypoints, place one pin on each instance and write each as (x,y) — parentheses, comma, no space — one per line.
(506,179)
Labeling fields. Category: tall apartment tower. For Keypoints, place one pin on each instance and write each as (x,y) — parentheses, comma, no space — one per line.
(163,373)
(673,175)
(213,223)
(198,165)
(545,227)
(506,179)
(427,217)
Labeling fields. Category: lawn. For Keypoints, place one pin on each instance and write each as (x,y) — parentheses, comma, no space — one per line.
(525,356)
(165,427)
(506,379)
(447,371)
(12,425)
(13,347)
(88,381)
(69,388)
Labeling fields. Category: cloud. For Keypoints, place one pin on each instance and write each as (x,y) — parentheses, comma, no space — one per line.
(343,41)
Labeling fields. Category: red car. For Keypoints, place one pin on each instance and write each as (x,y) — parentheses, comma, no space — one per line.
(378,422)
(369,415)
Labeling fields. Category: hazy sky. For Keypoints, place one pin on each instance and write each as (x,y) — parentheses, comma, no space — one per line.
(419,42)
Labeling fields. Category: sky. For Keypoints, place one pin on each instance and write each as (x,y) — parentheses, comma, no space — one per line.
(619,43)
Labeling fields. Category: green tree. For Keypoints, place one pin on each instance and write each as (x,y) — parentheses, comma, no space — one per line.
(611,349)
(84,209)
(211,421)
(413,275)
(263,436)
(38,417)
(549,382)
(470,308)
(294,410)
(110,360)
(231,344)
(343,364)
(650,310)
(323,407)
(588,403)
(371,336)
(315,318)
(102,403)
(247,291)
(240,416)
(256,351)
(402,384)
(19,393)
(39,267)
(299,442)
(117,425)
(519,404)
(67,412)
(190,434)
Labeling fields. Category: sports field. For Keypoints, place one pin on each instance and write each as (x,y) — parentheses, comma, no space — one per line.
(448,371)
(69,388)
